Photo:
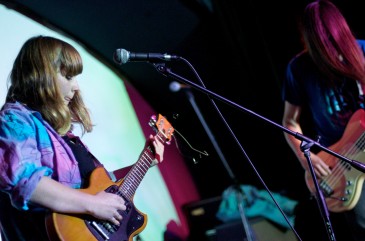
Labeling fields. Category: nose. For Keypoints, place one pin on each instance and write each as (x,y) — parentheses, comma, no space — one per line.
(75,85)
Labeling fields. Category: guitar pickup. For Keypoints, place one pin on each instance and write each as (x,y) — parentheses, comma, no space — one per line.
(327,190)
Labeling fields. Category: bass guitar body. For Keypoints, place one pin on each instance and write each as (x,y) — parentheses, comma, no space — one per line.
(342,188)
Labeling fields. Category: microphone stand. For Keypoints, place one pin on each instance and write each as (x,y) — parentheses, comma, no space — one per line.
(305,148)
(307,143)
(236,186)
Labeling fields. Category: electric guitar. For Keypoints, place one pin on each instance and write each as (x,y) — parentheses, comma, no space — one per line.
(342,188)
(68,227)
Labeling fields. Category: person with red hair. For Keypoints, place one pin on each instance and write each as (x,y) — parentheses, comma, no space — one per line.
(323,95)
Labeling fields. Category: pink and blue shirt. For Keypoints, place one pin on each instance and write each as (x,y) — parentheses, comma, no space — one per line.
(30,149)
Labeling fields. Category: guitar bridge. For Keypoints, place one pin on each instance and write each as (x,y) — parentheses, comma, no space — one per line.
(100,230)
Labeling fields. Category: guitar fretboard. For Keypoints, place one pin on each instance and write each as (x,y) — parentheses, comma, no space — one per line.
(138,171)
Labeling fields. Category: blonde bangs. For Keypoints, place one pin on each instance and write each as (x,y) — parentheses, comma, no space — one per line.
(70,60)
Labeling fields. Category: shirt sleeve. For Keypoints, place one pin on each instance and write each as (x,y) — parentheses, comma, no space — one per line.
(291,90)
(20,156)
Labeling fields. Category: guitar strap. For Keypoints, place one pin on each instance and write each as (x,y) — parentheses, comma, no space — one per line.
(87,162)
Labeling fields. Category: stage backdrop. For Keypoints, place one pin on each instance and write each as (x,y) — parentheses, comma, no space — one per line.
(121,126)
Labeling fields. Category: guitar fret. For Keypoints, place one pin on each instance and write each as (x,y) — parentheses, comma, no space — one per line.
(138,178)
(143,166)
(145,162)
(128,188)
(361,142)
(139,171)
(136,174)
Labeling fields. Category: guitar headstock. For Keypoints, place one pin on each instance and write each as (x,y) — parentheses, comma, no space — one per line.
(162,126)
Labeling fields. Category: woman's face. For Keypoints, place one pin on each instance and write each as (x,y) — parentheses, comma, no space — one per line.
(68,85)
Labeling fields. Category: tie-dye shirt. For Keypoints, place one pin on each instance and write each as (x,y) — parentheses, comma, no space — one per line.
(29,149)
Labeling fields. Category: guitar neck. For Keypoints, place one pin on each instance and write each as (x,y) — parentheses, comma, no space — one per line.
(134,177)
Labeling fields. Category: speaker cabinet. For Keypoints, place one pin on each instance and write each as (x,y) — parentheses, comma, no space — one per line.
(204,226)
(260,228)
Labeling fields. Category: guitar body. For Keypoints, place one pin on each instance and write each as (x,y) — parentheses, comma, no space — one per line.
(67,227)
(342,189)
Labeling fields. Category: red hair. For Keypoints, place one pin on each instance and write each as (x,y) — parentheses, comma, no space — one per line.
(331,43)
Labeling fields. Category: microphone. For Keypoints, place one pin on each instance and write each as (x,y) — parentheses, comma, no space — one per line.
(122,56)
(175,86)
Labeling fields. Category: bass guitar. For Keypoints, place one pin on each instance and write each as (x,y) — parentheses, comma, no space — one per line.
(342,188)
(67,227)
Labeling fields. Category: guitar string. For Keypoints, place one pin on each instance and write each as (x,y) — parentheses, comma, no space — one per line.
(341,167)
(129,186)
(138,171)
(338,170)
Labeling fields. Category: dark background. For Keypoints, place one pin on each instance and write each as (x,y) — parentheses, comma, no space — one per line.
(240,50)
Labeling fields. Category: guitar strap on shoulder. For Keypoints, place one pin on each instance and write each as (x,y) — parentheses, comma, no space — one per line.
(78,140)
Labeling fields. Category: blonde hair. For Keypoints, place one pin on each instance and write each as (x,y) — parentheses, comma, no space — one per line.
(33,82)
